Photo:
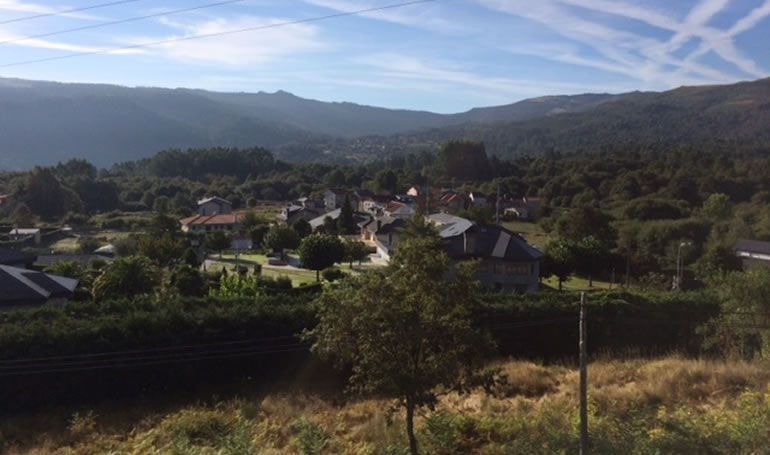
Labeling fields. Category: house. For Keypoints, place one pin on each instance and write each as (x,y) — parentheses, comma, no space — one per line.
(398,209)
(335,197)
(24,234)
(309,203)
(16,258)
(477,199)
(317,223)
(374,203)
(382,232)
(214,206)
(207,223)
(753,253)
(22,287)
(507,262)
(523,209)
(4,198)
(293,213)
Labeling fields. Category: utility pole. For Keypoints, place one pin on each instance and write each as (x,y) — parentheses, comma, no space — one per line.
(497,206)
(583,378)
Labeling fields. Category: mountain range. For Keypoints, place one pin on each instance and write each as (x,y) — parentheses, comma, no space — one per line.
(47,122)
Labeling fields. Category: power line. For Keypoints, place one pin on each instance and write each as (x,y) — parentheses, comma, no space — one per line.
(217,34)
(67,11)
(120,21)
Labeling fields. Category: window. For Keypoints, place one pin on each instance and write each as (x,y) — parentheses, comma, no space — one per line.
(518,269)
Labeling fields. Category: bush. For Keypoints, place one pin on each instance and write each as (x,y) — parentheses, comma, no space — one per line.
(333,274)
(311,439)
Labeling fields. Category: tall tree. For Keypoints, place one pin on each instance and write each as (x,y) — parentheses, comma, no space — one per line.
(406,331)
(318,252)
(281,238)
(559,260)
(218,241)
(346,223)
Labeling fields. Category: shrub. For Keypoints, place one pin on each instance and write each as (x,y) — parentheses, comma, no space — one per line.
(333,274)
(311,439)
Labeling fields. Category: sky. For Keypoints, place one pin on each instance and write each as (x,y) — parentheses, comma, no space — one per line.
(441,55)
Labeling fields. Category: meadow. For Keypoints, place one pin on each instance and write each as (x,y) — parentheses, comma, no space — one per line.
(637,406)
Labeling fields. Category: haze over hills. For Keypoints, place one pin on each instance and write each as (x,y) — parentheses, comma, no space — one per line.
(46,122)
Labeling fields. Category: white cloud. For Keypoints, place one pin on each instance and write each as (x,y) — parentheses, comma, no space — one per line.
(414,68)
(419,15)
(247,48)
(643,58)
(60,46)
(18,6)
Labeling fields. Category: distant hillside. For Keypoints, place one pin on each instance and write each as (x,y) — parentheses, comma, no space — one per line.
(45,122)
(738,113)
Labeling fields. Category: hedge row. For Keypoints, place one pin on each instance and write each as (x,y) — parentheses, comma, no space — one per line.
(542,327)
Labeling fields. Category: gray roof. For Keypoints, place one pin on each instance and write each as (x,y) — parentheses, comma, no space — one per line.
(449,225)
(22,286)
(493,242)
(15,257)
(214,199)
(752,246)
(319,221)
(84,260)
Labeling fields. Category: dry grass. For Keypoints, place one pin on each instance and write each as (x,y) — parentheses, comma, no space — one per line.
(535,398)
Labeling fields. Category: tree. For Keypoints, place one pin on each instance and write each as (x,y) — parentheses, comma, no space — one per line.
(356,251)
(87,245)
(70,269)
(218,241)
(346,223)
(464,160)
(130,276)
(559,260)
(320,251)
(386,181)
(579,223)
(303,228)
(281,238)
(22,216)
(590,253)
(190,258)
(44,194)
(405,331)
(717,207)
(187,281)
(257,234)
(418,226)
(162,249)
(330,225)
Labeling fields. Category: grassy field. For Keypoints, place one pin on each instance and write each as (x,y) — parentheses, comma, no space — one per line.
(576,283)
(668,405)
(532,232)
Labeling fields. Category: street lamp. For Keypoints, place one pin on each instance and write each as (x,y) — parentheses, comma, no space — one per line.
(679,265)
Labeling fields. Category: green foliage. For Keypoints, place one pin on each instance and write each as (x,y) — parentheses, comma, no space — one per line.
(320,251)
(130,276)
(311,439)
(218,241)
(717,207)
(346,223)
(70,269)
(405,331)
(187,281)
(356,251)
(464,160)
(741,328)
(303,228)
(162,249)
(281,238)
(559,260)
(87,245)
(332,274)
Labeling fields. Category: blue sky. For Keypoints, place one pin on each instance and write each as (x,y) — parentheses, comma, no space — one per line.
(443,56)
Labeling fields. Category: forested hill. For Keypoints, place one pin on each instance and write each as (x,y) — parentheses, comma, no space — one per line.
(45,122)
(732,115)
